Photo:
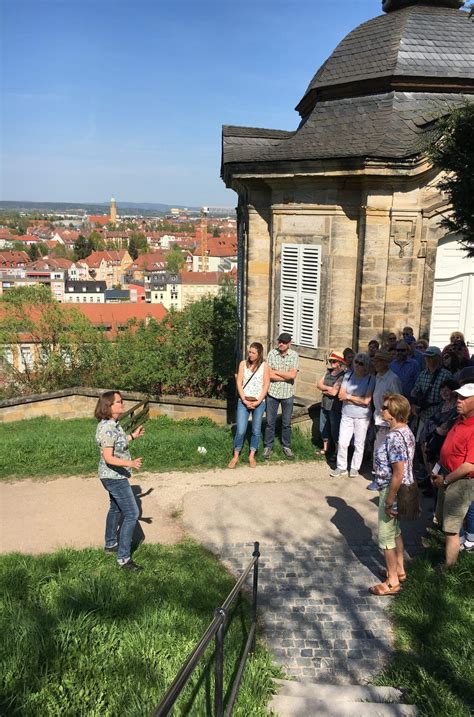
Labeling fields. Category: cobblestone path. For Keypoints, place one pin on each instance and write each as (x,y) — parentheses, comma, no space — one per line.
(319,619)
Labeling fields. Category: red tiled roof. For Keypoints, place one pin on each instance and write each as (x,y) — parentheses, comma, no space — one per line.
(110,315)
(202,277)
(219,246)
(13,258)
(99,219)
(49,264)
(112,256)
(115,315)
(149,261)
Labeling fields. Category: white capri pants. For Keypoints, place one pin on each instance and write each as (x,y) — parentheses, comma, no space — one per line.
(356,427)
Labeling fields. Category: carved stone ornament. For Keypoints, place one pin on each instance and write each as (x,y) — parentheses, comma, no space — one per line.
(403,232)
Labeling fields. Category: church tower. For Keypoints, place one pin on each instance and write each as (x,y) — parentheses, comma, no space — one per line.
(113,211)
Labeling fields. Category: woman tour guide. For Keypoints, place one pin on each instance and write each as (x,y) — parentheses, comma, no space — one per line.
(114,471)
(253,380)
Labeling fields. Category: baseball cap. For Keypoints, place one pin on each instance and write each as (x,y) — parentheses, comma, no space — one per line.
(466,391)
(433,351)
(285,338)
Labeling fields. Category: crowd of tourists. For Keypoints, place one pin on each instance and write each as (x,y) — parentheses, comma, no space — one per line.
(406,406)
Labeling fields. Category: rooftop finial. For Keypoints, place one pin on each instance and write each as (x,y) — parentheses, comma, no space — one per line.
(392,5)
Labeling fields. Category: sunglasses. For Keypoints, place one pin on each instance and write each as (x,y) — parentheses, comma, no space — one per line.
(401,351)
(359,363)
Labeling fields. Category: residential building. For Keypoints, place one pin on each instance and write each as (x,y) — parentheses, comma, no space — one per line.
(84,292)
(109,319)
(109,266)
(195,285)
(13,263)
(220,255)
(162,287)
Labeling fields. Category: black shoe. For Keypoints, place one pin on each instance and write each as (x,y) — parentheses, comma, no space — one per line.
(113,549)
(133,567)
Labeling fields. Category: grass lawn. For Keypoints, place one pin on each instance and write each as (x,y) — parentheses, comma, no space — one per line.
(434,629)
(45,447)
(82,638)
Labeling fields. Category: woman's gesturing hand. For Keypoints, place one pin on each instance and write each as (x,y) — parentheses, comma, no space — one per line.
(136,463)
(139,432)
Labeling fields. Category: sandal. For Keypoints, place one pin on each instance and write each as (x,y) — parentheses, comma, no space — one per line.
(320,452)
(252,462)
(401,576)
(233,463)
(384,589)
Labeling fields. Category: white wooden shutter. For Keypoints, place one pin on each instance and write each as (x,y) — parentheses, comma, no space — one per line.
(289,289)
(300,287)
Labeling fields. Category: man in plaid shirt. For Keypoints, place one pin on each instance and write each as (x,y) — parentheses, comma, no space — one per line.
(426,391)
(283,365)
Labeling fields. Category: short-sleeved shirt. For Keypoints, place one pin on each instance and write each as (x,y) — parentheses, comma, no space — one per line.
(431,390)
(458,446)
(110,434)
(384,383)
(360,387)
(407,372)
(399,445)
(282,389)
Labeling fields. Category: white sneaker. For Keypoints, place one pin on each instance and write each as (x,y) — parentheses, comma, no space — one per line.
(353,473)
(338,473)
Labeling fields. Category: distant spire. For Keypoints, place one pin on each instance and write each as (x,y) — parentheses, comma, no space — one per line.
(113,211)
(392,5)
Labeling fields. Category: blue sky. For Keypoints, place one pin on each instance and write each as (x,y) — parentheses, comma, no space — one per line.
(127,98)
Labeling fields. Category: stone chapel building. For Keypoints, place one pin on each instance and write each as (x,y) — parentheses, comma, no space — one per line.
(338,221)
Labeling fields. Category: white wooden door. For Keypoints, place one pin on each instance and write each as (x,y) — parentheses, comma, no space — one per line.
(453,294)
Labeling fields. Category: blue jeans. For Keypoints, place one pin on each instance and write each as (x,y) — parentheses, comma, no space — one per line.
(286,411)
(329,422)
(122,503)
(243,415)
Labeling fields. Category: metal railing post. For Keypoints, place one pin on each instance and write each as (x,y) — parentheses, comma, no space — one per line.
(219,665)
(255,554)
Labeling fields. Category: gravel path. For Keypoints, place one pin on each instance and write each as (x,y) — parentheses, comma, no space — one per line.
(317,539)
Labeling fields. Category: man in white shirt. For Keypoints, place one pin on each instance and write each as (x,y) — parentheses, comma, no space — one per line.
(386,381)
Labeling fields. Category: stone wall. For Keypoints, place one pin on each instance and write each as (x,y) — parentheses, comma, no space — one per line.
(80,403)
(378,237)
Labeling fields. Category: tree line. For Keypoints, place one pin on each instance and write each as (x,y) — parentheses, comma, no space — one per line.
(189,353)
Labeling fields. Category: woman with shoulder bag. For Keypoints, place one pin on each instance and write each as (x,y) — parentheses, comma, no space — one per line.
(398,490)
(253,380)
(330,416)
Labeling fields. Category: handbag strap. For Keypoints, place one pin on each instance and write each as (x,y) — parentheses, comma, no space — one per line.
(254,373)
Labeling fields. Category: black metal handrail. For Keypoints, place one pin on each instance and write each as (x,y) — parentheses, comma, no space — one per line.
(216,630)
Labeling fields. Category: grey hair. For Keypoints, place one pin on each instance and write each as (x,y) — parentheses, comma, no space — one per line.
(361,356)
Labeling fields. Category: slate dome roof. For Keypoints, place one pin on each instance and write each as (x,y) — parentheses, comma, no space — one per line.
(418,41)
(379,93)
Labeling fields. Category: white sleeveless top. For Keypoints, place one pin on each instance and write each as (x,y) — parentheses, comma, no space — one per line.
(254,387)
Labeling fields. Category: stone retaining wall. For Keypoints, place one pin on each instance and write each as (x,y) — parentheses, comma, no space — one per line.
(80,403)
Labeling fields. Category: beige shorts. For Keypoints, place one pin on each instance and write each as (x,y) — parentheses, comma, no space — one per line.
(457,499)
(389,528)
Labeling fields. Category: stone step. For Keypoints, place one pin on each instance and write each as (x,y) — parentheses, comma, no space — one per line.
(287,706)
(328,692)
